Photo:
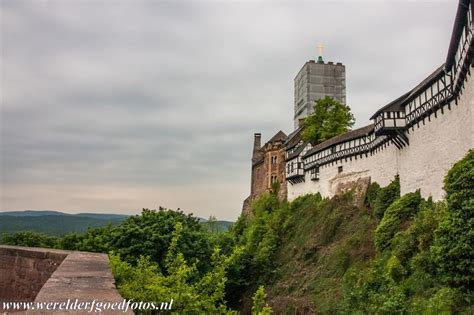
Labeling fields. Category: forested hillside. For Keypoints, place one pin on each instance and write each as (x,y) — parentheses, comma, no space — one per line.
(54,223)
(379,253)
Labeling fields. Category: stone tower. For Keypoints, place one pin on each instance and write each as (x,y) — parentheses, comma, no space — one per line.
(316,80)
(268,168)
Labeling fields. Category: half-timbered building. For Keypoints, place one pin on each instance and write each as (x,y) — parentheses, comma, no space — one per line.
(418,136)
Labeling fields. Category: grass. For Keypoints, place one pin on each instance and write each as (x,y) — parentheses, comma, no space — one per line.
(322,239)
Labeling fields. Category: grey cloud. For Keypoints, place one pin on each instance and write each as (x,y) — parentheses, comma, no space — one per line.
(161,99)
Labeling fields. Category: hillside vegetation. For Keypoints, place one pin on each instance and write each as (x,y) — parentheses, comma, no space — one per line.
(53,223)
(391,255)
(381,253)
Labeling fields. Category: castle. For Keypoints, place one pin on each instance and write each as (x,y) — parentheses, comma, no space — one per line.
(268,168)
(417,136)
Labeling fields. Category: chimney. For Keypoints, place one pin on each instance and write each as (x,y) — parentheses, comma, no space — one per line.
(256,147)
(257,142)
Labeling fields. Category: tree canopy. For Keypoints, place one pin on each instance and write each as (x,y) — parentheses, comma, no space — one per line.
(330,118)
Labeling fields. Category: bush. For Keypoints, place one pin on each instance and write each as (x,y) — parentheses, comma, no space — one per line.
(260,307)
(426,263)
(190,294)
(459,185)
(401,210)
(395,270)
(331,224)
(442,302)
(372,193)
(30,239)
(386,196)
(264,252)
(453,250)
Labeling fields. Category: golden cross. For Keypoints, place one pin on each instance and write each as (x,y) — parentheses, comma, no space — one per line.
(320,47)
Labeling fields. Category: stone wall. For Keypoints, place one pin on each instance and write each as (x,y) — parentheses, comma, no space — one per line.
(259,179)
(23,271)
(263,169)
(276,169)
(48,275)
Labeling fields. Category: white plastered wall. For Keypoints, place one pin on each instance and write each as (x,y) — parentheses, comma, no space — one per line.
(381,167)
(434,148)
(437,145)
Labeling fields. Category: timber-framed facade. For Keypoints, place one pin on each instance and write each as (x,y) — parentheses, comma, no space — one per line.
(395,125)
(417,136)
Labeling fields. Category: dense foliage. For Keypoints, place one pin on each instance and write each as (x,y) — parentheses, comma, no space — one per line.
(30,239)
(392,255)
(145,281)
(148,235)
(425,263)
(330,118)
(385,196)
(372,193)
(54,224)
(260,306)
(453,249)
(400,211)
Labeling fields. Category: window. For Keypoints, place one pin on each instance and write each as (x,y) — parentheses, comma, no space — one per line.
(274,159)
(274,179)
(314,173)
(339,169)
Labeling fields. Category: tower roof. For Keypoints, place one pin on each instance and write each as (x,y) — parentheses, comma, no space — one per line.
(279,136)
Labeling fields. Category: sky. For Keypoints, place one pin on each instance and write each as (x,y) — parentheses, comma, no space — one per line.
(115,106)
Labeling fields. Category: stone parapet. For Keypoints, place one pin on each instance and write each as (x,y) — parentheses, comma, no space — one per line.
(49,275)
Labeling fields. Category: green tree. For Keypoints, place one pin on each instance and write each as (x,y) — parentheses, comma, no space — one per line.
(177,282)
(30,239)
(211,224)
(150,233)
(71,241)
(260,306)
(386,196)
(453,250)
(400,211)
(330,118)
(371,196)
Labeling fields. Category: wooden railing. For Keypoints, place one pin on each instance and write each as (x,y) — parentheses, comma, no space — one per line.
(462,56)
(345,153)
(444,88)
(447,87)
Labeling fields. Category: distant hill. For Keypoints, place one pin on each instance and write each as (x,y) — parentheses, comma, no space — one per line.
(58,223)
(54,222)
(104,216)
(31,213)
(221,226)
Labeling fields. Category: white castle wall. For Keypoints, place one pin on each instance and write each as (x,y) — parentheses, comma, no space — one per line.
(434,148)
(381,167)
(437,145)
